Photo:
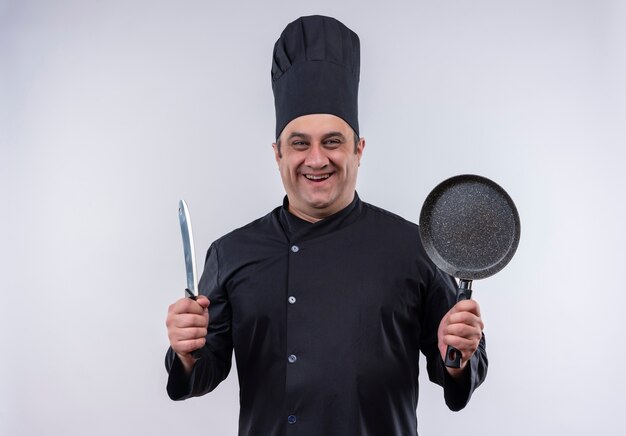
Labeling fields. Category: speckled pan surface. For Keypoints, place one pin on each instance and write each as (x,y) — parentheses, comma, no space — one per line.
(469,227)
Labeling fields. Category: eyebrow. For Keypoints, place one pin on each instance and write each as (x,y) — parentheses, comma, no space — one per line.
(299,135)
(331,134)
(308,137)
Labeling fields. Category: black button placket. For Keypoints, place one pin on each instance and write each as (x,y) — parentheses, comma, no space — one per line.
(294,376)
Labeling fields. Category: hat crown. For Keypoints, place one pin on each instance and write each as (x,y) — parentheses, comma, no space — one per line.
(316,38)
(315,70)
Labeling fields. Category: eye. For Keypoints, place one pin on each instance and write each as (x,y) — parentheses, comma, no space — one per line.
(332,143)
(298,144)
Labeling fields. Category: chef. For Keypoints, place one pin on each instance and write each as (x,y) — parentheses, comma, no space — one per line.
(327,301)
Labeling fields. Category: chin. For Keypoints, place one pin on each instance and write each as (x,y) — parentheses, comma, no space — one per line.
(319,205)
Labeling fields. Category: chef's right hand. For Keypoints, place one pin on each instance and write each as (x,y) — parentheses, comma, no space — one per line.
(187,322)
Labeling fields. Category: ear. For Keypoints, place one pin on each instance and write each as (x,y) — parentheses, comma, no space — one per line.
(277,155)
(359,149)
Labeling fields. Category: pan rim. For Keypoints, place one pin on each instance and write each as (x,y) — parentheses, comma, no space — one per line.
(465,271)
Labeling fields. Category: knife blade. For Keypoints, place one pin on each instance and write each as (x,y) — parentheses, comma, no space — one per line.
(188,248)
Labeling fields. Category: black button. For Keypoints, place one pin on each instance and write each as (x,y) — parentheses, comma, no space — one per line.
(291,419)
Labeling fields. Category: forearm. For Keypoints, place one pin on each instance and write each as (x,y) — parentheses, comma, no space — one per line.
(188,362)
(199,377)
(459,384)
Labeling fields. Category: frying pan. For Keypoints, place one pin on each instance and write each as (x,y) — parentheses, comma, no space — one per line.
(470,229)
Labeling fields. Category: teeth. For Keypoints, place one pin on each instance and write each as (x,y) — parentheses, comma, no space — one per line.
(312,177)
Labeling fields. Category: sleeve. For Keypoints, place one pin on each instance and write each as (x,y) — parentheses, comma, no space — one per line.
(440,297)
(216,356)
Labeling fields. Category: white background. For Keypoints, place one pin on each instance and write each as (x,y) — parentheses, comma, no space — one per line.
(110,111)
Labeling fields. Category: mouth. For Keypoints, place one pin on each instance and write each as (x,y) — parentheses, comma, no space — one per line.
(317,178)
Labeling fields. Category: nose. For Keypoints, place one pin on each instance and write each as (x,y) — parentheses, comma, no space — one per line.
(316,157)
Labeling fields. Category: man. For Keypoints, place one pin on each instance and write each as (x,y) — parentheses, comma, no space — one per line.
(327,300)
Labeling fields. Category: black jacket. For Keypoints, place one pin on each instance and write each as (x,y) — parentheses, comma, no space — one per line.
(327,321)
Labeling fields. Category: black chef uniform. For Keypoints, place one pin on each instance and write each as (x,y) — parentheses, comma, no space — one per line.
(327,321)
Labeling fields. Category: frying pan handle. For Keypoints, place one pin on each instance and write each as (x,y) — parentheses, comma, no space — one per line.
(463,292)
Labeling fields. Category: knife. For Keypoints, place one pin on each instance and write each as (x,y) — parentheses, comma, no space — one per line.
(191,290)
(190,255)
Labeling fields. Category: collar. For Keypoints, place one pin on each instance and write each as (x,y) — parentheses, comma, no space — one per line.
(298,230)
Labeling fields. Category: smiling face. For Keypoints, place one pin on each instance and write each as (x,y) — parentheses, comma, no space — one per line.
(318,163)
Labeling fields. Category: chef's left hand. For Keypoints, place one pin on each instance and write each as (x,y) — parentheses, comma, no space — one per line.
(461,328)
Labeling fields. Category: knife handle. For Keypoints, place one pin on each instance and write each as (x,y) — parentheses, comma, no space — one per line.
(190,294)
(197,354)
